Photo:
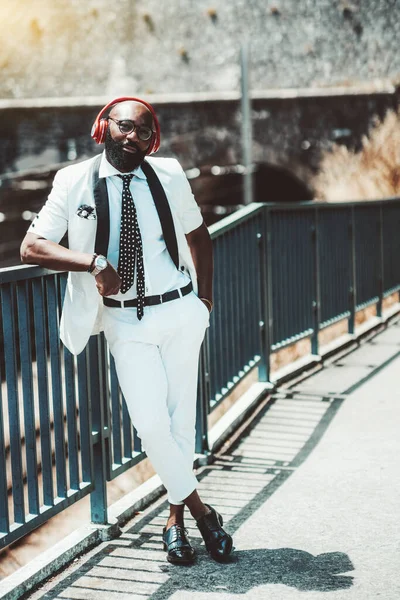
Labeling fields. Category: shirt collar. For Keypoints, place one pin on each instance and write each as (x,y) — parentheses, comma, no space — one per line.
(107,170)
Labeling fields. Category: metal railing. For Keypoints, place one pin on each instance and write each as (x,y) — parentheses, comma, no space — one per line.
(282,273)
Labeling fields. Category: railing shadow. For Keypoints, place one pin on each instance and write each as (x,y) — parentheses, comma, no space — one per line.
(249,569)
(253,568)
(135,563)
(239,482)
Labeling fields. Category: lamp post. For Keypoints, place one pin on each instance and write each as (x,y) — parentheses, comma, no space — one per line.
(246,125)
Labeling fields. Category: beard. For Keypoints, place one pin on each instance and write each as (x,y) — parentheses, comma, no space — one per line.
(119,158)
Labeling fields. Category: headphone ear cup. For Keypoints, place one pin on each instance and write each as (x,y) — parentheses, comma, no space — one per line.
(94,131)
(99,129)
(102,130)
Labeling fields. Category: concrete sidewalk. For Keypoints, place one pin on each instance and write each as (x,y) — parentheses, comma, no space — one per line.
(311,495)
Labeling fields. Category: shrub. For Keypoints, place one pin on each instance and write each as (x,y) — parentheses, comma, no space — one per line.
(373,172)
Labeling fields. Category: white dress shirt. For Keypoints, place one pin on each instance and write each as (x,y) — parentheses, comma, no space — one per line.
(161,274)
(71,192)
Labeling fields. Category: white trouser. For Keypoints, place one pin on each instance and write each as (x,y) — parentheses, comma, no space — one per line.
(157,366)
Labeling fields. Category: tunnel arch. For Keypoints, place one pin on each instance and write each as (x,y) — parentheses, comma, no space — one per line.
(219,190)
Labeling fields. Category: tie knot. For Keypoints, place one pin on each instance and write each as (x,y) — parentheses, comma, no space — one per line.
(126,179)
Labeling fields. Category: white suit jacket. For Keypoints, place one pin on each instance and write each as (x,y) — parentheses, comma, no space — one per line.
(72,190)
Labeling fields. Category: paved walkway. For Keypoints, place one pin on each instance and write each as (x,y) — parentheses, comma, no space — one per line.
(311,495)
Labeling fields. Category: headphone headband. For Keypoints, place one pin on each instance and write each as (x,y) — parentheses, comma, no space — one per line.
(100,125)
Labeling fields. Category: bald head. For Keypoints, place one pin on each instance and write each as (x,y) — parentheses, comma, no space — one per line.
(132,110)
(129,135)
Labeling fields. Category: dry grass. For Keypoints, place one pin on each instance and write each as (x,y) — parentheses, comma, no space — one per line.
(371,173)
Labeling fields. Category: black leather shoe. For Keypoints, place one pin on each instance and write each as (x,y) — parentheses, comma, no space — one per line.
(218,542)
(180,552)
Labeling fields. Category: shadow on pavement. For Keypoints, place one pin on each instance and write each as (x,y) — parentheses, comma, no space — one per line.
(252,568)
(274,445)
(134,565)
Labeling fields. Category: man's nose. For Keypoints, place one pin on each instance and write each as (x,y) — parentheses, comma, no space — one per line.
(132,136)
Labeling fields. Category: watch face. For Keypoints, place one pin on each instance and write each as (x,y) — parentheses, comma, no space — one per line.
(101,262)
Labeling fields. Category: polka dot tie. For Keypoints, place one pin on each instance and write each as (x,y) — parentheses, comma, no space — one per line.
(130,247)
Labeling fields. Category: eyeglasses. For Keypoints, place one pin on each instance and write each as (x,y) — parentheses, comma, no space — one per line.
(126,126)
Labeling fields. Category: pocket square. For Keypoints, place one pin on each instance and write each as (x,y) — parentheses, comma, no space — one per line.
(86,212)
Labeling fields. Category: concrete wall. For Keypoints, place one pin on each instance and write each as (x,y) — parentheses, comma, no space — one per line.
(70,48)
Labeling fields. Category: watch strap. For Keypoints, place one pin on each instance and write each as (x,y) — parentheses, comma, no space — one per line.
(91,267)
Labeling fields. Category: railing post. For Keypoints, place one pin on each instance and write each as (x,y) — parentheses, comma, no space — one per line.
(381,267)
(104,395)
(4,516)
(353,285)
(265,321)
(98,498)
(316,303)
(11,371)
(203,398)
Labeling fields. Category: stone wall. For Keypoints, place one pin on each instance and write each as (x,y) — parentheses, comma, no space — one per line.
(96,47)
(289,131)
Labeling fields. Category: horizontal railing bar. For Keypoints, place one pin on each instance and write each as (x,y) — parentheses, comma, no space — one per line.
(231,385)
(333,320)
(233,220)
(390,291)
(22,272)
(127,463)
(40,470)
(367,303)
(18,531)
(291,340)
(324,205)
(19,272)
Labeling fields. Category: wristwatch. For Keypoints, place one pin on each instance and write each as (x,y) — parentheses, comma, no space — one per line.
(99,264)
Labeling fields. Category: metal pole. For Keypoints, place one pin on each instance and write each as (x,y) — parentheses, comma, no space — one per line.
(381,265)
(316,305)
(246,126)
(98,498)
(203,399)
(353,275)
(265,288)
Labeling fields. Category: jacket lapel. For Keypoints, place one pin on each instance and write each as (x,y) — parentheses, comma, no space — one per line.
(102,210)
(164,211)
(160,201)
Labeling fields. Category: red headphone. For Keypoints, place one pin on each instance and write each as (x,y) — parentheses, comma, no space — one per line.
(100,125)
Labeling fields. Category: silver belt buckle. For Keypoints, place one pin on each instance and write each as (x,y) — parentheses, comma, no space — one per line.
(122,303)
(161,300)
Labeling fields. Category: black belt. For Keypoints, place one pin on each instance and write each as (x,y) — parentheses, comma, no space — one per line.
(150,300)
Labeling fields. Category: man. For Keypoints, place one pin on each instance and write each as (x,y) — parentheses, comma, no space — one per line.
(140,267)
